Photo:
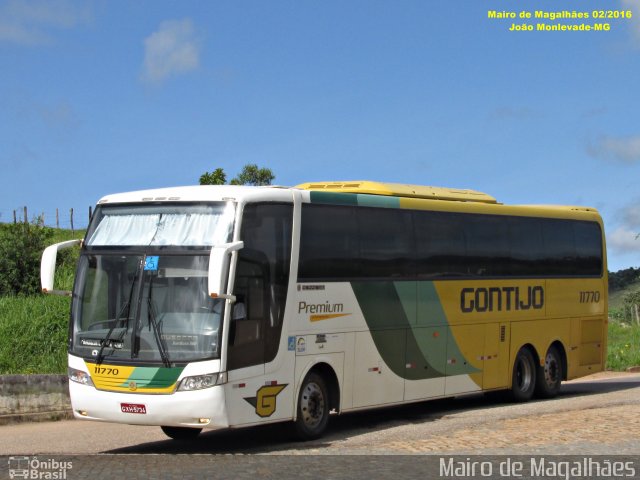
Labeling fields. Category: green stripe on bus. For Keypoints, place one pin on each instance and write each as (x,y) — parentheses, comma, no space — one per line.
(332,198)
(362,200)
(154,377)
(409,328)
(378,201)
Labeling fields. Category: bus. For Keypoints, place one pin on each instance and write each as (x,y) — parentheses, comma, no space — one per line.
(210,307)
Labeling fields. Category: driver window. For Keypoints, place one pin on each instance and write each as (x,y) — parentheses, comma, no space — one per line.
(261,282)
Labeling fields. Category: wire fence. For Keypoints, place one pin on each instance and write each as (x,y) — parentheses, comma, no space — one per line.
(69,219)
(634,313)
(628,313)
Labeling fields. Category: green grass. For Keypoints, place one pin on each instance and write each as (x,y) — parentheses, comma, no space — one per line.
(33,334)
(34,329)
(624,346)
(60,235)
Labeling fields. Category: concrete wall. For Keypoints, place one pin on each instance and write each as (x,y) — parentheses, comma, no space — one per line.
(34,398)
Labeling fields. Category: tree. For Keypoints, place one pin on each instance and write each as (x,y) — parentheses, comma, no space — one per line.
(623,278)
(217,177)
(250,175)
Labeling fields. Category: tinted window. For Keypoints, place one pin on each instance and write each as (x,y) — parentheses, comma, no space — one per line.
(345,242)
(386,242)
(488,249)
(588,248)
(559,247)
(261,284)
(527,246)
(329,242)
(441,245)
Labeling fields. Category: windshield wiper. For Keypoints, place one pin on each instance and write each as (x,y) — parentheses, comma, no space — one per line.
(127,306)
(157,328)
(157,331)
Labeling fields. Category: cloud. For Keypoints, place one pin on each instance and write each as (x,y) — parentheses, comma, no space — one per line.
(59,115)
(625,238)
(513,113)
(173,49)
(595,112)
(30,22)
(634,22)
(631,216)
(616,149)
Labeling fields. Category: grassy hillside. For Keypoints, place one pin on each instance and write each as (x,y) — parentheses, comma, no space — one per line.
(33,329)
(616,297)
(33,334)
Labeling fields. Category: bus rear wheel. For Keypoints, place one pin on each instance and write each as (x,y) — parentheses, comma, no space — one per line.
(313,408)
(523,380)
(549,376)
(181,433)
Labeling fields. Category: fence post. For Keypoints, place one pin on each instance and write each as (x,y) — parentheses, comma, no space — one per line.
(57,219)
(71,215)
(15,217)
(26,216)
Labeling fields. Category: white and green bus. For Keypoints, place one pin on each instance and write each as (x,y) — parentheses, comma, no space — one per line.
(210,307)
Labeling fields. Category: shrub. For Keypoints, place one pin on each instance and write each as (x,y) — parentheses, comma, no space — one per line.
(21,246)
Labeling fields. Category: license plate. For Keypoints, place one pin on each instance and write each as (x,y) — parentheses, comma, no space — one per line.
(133,408)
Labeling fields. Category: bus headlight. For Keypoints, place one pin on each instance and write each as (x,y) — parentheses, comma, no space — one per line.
(79,376)
(198,382)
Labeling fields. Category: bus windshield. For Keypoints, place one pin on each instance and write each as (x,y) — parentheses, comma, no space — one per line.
(141,292)
(161,225)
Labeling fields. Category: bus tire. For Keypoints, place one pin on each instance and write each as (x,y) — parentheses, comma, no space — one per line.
(549,376)
(181,433)
(313,408)
(523,380)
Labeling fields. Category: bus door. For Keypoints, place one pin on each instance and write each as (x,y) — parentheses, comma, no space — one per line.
(258,377)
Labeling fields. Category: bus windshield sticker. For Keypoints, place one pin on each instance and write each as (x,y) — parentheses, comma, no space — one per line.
(151,263)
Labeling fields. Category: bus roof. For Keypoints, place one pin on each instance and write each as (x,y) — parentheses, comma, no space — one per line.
(400,190)
(368,193)
(192,193)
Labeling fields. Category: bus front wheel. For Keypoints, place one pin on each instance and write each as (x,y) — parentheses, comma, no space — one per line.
(181,433)
(313,408)
(549,376)
(523,381)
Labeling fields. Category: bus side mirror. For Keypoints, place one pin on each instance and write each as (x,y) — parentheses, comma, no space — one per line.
(48,266)
(218,268)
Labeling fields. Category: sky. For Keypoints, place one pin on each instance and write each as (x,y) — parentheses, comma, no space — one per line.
(99,97)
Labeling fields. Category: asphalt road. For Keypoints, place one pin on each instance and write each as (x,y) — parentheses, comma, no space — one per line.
(598,416)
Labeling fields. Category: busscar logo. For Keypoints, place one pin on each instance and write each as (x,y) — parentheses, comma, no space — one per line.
(265,399)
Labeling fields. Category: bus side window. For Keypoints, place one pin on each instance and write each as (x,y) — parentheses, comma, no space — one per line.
(262,278)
